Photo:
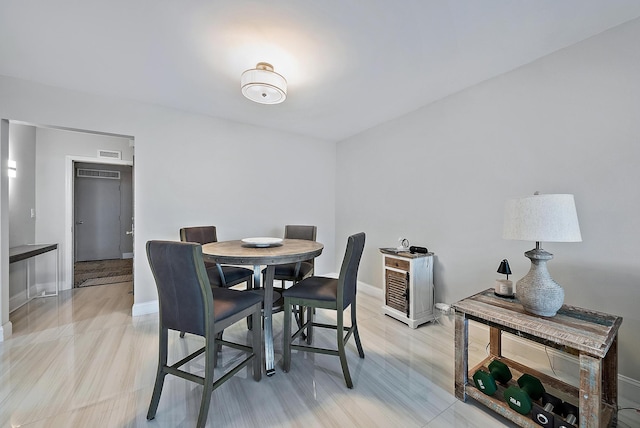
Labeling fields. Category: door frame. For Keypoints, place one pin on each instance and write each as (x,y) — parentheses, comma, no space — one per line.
(69,242)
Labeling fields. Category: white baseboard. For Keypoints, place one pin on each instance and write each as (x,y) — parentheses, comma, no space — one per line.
(5,331)
(629,392)
(48,287)
(127,256)
(20,298)
(146,308)
(17,300)
(370,290)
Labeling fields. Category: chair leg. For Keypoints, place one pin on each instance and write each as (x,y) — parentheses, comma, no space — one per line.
(342,353)
(298,313)
(356,335)
(256,345)
(310,312)
(250,286)
(210,354)
(286,362)
(163,341)
(218,348)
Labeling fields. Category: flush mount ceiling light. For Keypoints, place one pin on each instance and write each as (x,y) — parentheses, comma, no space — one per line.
(263,85)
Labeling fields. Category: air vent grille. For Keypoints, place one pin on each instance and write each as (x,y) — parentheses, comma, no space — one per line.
(98,173)
(109,154)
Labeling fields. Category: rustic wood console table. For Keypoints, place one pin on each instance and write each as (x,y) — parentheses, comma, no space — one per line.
(591,336)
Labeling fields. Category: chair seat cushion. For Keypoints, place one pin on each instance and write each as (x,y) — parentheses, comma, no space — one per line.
(228,302)
(314,288)
(233,275)
(287,271)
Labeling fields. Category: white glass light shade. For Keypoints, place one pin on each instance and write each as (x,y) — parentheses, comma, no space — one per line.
(542,218)
(263,85)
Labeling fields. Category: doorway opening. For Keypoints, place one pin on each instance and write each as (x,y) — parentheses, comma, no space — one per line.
(103,224)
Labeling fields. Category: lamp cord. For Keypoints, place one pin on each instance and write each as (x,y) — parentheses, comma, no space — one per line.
(550,364)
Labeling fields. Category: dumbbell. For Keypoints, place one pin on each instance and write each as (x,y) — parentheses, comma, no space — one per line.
(486,382)
(545,415)
(570,413)
(521,399)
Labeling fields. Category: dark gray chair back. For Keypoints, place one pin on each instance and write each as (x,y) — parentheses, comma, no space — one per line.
(184,293)
(200,234)
(294,231)
(348,280)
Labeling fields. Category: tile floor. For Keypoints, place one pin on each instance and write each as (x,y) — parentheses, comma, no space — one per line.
(81,360)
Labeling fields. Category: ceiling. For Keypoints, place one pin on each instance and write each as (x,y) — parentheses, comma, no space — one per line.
(350,64)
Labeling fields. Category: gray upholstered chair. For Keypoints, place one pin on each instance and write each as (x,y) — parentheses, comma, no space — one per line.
(327,293)
(295,272)
(189,303)
(219,275)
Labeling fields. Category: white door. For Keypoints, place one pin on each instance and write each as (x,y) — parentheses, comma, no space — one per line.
(97,214)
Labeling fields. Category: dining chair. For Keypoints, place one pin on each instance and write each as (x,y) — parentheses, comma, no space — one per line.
(187,302)
(327,293)
(219,275)
(295,272)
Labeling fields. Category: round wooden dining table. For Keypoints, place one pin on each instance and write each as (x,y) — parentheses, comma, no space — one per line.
(239,253)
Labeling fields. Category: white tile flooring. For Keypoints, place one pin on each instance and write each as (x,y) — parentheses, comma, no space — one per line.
(81,360)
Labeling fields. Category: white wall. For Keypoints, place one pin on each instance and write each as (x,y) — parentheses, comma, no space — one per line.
(568,123)
(22,198)
(194,170)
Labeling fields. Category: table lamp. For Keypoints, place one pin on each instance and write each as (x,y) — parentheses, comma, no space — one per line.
(550,218)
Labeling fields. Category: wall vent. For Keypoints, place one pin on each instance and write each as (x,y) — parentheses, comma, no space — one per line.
(109,154)
(98,173)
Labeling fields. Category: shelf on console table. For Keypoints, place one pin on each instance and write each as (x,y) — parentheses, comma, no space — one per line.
(590,335)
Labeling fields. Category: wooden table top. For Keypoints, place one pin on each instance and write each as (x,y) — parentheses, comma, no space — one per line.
(581,329)
(235,252)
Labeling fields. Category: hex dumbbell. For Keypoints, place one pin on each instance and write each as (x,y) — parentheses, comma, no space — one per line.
(486,382)
(521,399)
(570,413)
(544,415)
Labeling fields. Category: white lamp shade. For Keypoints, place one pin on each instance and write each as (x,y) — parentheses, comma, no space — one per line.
(263,85)
(542,218)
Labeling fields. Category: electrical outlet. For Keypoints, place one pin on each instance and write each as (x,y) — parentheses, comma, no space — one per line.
(33,213)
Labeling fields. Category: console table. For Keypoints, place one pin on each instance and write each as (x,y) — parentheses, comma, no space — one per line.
(25,252)
(591,336)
